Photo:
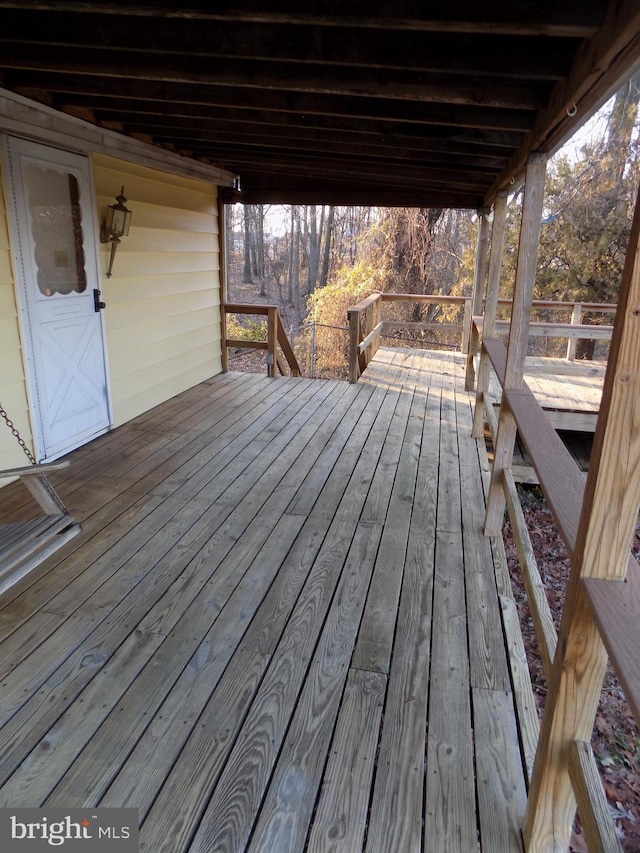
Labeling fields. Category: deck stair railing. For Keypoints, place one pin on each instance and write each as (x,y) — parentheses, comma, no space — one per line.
(280,353)
(366,325)
(596,519)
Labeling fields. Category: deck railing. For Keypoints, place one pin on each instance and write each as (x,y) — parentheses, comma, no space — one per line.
(610,608)
(277,345)
(574,330)
(366,325)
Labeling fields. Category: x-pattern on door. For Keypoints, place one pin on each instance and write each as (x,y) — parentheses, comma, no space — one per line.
(56,266)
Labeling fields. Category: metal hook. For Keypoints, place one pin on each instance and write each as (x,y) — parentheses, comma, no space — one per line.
(572,110)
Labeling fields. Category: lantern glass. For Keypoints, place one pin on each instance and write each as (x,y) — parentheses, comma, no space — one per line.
(118,220)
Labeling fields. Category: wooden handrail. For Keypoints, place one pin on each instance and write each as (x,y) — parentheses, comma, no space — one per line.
(433,298)
(587,307)
(561,330)
(615,606)
(276,335)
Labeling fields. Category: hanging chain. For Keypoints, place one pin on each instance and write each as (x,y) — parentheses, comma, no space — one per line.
(5,417)
(45,481)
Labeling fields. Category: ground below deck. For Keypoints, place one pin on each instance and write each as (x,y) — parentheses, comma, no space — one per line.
(280,630)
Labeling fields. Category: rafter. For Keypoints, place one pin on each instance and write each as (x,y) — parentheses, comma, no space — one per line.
(572,18)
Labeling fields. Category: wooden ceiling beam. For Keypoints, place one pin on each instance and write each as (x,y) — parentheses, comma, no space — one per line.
(401,174)
(363,196)
(268,108)
(572,18)
(311,139)
(252,152)
(259,91)
(505,105)
(523,57)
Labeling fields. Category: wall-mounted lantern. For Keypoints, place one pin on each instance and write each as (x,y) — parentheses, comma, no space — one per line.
(116,226)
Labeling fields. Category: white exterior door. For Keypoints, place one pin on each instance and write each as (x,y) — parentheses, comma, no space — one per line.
(56,265)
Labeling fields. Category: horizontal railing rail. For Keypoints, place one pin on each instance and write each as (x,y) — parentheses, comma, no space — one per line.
(277,345)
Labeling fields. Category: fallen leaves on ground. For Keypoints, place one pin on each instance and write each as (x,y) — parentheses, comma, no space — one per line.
(616,738)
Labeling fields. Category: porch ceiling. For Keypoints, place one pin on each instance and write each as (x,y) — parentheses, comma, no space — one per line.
(367,102)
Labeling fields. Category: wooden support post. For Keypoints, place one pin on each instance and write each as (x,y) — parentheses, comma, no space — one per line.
(272,338)
(575,321)
(608,520)
(490,307)
(518,334)
(222,249)
(354,343)
(476,297)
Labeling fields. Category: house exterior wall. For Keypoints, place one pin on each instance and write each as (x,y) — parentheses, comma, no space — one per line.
(13,388)
(163,299)
(162,317)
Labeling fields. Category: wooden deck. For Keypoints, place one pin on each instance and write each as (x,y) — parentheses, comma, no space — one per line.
(571,400)
(281,629)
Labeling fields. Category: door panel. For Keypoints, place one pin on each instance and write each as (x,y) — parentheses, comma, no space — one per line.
(56,264)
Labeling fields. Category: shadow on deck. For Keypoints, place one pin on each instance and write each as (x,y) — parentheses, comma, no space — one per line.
(282,628)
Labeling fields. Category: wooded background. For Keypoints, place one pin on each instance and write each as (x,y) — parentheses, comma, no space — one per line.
(314,262)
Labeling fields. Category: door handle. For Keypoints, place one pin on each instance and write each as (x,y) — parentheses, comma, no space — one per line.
(97,304)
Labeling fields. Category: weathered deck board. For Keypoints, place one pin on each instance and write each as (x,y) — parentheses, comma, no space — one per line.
(260,640)
(396,816)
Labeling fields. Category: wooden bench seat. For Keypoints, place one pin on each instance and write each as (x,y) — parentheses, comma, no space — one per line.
(25,544)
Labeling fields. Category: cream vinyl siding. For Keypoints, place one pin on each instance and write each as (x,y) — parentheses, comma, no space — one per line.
(163,299)
(13,389)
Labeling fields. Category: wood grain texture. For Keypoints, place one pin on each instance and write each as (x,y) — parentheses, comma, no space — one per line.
(288,805)
(615,607)
(488,668)
(519,331)
(396,814)
(340,820)
(536,595)
(449,815)
(607,522)
(246,544)
(595,814)
(375,638)
(502,795)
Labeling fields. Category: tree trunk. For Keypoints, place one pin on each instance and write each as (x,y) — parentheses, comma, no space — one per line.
(247,278)
(296,265)
(326,254)
(314,254)
(291,241)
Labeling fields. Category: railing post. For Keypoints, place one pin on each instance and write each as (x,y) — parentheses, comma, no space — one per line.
(370,323)
(377,318)
(490,308)
(354,343)
(466,328)
(607,522)
(575,321)
(518,334)
(476,298)
(272,337)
